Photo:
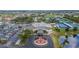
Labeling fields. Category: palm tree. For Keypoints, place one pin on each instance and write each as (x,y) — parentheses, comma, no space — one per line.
(26,34)
(66,40)
(23,39)
(45,31)
(67,31)
(75,31)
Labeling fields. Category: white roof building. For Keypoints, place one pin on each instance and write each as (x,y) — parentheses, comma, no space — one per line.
(41,25)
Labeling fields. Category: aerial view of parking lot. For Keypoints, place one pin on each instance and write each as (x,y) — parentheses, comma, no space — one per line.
(39,29)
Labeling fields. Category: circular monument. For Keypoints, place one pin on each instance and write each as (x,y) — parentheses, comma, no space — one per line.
(40,41)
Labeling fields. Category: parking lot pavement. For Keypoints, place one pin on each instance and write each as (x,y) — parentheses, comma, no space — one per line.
(11,34)
(73,41)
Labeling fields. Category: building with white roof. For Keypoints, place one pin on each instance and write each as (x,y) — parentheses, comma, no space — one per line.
(41,25)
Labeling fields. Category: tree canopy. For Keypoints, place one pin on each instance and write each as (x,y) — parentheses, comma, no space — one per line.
(23,19)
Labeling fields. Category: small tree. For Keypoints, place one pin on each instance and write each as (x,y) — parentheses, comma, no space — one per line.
(45,31)
(57,29)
